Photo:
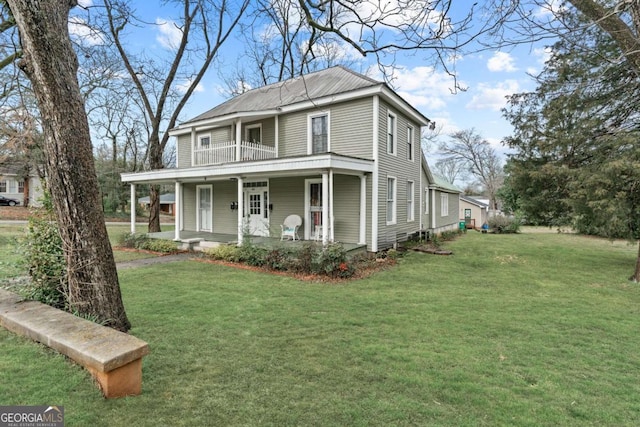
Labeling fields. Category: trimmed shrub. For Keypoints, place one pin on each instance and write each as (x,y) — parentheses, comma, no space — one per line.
(252,255)
(229,253)
(333,262)
(503,224)
(142,242)
(44,259)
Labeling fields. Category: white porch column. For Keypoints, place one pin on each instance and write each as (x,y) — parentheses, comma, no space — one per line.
(134,205)
(240,210)
(362,238)
(178,210)
(325,207)
(238,140)
(331,218)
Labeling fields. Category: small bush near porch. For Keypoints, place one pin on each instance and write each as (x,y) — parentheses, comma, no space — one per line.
(309,258)
(513,330)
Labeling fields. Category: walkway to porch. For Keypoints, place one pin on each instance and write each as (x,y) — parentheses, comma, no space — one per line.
(221,238)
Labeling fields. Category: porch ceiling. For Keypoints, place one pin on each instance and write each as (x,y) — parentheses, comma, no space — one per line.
(291,166)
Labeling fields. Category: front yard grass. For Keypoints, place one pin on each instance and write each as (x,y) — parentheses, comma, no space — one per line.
(518,330)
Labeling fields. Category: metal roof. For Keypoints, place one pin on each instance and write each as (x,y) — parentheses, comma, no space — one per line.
(331,81)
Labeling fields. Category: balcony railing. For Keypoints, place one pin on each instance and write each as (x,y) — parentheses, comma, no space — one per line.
(227,152)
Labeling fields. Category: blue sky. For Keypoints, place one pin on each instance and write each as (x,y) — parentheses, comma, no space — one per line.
(489,77)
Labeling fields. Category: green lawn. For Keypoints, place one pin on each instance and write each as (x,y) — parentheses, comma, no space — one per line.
(514,330)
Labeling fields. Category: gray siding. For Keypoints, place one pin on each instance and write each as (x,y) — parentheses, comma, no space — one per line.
(287,197)
(293,135)
(224,219)
(451,220)
(189,206)
(346,210)
(184,151)
(403,170)
(352,128)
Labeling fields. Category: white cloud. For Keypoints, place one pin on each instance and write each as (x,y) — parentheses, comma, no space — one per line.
(493,97)
(182,87)
(85,3)
(169,34)
(83,33)
(423,87)
(501,61)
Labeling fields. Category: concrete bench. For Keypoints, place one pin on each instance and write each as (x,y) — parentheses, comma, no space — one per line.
(113,358)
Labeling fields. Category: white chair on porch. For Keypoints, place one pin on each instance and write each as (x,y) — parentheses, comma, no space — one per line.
(290,227)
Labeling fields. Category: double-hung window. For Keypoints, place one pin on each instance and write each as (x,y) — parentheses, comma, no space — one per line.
(391,200)
(253,134)
(319,133)
(204,141)
(409,143)
(444,204)
(3,186)
(410,209)
(391,133)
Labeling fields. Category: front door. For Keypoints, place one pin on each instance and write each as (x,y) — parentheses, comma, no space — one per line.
(313,227)
(256,199)
(205,203)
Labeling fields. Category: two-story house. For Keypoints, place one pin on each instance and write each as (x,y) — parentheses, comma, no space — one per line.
(335,147)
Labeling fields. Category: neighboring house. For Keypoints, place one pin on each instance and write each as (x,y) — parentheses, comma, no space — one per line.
(167,203)
(15,185)
(473,212)
(335,147)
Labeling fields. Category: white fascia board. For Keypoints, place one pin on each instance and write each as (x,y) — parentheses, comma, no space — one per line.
(279,166)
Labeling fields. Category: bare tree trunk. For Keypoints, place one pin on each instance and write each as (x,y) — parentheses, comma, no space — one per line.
(51,64)
(155,161)
(636,274)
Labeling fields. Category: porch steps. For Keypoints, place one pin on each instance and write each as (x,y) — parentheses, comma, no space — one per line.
(203,245)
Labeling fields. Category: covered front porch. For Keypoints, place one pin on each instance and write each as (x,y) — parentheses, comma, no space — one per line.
(229,203)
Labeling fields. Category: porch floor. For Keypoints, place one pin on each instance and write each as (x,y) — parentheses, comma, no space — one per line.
(261,241)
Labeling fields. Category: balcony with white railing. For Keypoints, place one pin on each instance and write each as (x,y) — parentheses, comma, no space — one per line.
(229,151)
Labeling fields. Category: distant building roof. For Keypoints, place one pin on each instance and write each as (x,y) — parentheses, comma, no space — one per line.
(445,185)
(473,201)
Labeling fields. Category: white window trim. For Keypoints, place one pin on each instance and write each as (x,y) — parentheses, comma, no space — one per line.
(444,204)
(249,127)
(410,143)
(394,140)
(411,203)
(311,116)
(394,207)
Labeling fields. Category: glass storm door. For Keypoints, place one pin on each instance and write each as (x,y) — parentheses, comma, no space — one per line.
(205,202)
(315,210)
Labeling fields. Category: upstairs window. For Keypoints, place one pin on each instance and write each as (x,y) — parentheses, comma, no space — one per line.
(204,141)
(319,133)
(254,134)
(391,133)
(409,143)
